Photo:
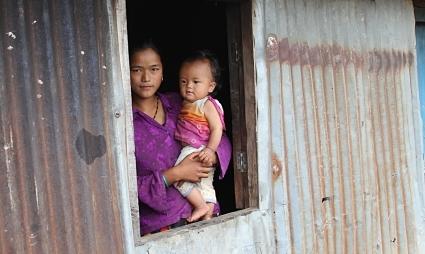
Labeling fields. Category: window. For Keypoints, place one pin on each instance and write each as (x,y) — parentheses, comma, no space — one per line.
(178,27)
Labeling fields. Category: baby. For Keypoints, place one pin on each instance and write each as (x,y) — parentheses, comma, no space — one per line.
(199,127)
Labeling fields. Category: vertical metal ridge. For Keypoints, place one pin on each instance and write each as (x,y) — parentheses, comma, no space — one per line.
(313,140)
(25,184)
(9,228)
(306,161)
(320,153)
(41,173)
(64,121)
(326,150)
(85,50)
(408,211)
(392,134)
(351,38)
(5,144)
(351,117)
(380,128)
(63,197)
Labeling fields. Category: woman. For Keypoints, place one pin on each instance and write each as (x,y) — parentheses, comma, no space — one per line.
(161,206)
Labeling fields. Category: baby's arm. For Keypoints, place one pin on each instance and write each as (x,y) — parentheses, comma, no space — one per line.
(216,131)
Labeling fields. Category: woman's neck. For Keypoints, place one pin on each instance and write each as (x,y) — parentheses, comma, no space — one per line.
(147,105)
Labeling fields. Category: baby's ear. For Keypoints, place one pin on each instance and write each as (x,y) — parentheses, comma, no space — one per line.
(212,87)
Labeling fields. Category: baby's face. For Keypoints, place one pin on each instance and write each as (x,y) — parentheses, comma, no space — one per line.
(196,80)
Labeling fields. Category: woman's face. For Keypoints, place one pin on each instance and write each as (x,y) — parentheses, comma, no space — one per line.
(145,73)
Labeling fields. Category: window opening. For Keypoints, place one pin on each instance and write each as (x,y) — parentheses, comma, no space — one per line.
(177,28)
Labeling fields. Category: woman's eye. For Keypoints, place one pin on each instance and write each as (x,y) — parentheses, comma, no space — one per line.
(155,69)
(135,70)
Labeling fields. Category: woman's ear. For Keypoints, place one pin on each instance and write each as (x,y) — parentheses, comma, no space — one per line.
(212,87)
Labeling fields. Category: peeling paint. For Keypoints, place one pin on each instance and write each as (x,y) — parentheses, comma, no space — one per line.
(276,167)
(272,47)
(11,35)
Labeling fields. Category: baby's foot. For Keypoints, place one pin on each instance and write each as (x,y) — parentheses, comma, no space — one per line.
(207,216)
(198,212)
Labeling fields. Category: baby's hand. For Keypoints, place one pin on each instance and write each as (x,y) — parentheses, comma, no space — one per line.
(206,155)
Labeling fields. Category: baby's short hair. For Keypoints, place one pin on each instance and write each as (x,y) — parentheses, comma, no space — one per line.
(206,55)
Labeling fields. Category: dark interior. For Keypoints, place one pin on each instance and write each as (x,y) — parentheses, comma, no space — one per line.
(177,28)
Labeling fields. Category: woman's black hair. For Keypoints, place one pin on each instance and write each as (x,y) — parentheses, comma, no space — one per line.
(137,46)
(202,55)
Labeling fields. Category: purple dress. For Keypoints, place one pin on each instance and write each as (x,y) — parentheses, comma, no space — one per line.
(156,150)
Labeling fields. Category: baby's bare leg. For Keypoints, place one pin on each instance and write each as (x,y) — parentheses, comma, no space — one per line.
(210,211)
(200,207)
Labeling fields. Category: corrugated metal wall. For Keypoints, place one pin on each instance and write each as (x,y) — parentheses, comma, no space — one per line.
(346,138)
(58,189)
(420,51)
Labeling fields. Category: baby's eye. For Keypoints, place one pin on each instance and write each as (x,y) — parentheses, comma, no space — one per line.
(196,82)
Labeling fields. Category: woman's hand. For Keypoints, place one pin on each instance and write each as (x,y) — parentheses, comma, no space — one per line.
(190,169)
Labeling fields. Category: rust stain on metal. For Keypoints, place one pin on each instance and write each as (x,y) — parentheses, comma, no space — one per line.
(355,59)
(338,58)
(410,58)
(327,58)
(304,54)
(386,62)
(394,61)
(294,54)
(335,55)
(315,56)
(284,50)
(374,61)
(276,167)
(272,47)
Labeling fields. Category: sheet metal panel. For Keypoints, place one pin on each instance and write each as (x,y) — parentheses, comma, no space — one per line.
(58,189)
(420,50)
(345,125)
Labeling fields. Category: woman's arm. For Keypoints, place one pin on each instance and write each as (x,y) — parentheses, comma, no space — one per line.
(189,169)
(152,192)
(152,189)
(224,154)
